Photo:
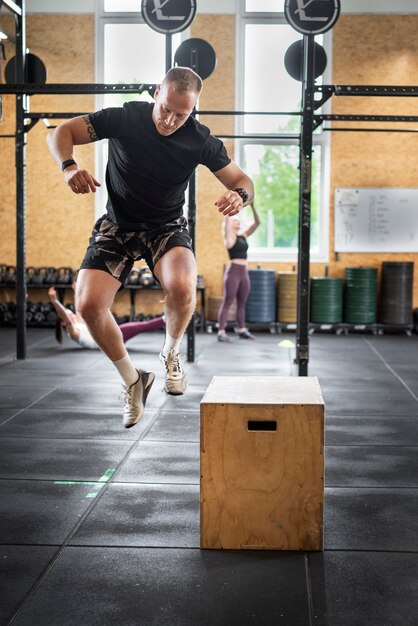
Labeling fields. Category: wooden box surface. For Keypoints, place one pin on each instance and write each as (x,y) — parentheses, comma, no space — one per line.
(262,463)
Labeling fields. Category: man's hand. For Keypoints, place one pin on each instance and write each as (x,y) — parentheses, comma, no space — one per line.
(230,203)
(52,293)
(80,181)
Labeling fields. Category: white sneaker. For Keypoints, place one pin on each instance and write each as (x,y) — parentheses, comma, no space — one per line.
(134,398)
(175,378)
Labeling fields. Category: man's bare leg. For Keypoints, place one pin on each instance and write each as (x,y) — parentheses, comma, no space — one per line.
(95,293)
(176,272)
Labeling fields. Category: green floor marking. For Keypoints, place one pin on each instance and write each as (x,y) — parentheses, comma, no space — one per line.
(98,484)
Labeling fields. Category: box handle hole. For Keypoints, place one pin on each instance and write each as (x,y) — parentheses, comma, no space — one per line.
(264,425)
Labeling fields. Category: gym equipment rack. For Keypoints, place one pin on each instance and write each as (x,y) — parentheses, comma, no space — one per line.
(310,122)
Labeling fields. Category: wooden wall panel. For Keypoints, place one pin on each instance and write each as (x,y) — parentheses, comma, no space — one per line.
(58,222)
(378,50)
(218,94)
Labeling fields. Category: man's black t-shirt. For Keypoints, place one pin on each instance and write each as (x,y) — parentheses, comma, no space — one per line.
(147,173)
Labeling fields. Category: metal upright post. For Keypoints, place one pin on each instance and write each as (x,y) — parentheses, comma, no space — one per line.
(305,165)
(191,218)
(20,162)
(168,51)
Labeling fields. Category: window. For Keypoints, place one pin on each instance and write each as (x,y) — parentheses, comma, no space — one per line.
(264,6)
(269,148)
(127,51)
(121,6)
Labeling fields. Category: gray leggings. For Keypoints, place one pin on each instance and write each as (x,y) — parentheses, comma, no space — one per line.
(236,285)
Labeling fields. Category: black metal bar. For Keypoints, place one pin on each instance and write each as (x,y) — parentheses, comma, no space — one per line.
(368,90)
(371,130)
(367,118)
(76,88)
(168,51)
(266,136)
(191,219)
(6,136)
(305,162)
(249,113)
(56,116)
(74,114)
(20,162)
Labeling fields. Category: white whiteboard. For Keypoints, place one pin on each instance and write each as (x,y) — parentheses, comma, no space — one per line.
(376,220)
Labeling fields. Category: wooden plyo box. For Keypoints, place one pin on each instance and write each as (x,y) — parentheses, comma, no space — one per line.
(262,463)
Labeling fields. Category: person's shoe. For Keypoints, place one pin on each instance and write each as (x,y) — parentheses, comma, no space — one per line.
(134,398)
(223,338)
(175,378)
(246,335)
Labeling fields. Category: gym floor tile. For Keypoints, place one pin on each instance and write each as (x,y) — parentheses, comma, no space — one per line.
(60,459)
(162,462)
(19,397)
(32,378)
(395,348)
(376,430)
(350,401)
(70,424)
(20,567)
(371,519)
(6,414)
(367,382)
(371,466)
(407,373)
(171,587)
(175,426)
(348,366)
(143,516)
(364,588)
(56,358)
(187,402)
(34,512)
(98,397)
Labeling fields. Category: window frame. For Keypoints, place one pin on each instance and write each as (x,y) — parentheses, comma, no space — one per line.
(321,138)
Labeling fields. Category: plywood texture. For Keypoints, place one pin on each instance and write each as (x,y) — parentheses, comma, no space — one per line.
(58,222)
(378,50)
(262,489)
(218,94)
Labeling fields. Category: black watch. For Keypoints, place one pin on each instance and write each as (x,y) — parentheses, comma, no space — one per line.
(67,163)
(242,193)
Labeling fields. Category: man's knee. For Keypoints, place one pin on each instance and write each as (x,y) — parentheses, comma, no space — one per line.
(90,310)
(183,293)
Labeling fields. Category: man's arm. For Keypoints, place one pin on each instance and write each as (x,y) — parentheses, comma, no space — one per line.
(232,177)
(61,142)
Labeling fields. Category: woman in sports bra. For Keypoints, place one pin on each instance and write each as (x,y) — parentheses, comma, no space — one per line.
(236,283)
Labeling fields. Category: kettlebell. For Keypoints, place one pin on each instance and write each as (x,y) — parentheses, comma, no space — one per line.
(3,268)
(51,276)
(39,276)
(146,279)
(10,274)
(64,275)
(30,273)
(133,278)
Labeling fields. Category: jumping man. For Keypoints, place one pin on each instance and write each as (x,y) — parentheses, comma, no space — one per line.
(153,152)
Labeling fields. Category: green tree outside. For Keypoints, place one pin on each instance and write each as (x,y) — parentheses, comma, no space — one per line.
(277,191)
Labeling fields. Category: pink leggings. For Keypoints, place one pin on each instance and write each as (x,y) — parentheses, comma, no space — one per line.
(131,329)
(236,285)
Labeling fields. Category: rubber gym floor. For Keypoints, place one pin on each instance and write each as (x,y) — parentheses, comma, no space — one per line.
(100,525)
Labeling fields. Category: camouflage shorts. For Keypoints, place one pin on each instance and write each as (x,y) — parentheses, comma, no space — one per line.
(115,251)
